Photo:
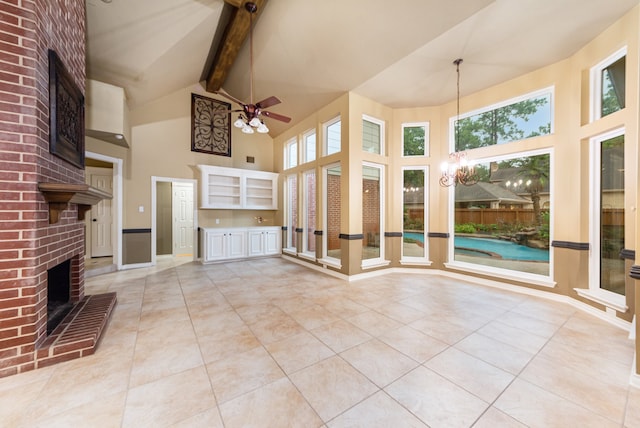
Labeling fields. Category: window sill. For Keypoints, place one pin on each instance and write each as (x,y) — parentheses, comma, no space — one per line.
(289,251)
(305,256)
(334,263)
(538,280)
(610,300)
(416,262)
(375,264)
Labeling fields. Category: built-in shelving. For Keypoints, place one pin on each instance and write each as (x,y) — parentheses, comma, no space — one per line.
(235,188)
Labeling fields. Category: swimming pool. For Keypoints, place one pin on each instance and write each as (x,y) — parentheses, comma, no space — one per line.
(487,247)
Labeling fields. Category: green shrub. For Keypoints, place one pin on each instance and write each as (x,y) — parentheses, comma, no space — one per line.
(465,228)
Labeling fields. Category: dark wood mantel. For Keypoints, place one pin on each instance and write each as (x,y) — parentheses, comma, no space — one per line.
(60,195)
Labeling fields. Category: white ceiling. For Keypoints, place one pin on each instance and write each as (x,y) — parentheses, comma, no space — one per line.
(307,53)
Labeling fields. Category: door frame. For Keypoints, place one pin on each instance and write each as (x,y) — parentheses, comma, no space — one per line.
(116,231)
(154,182)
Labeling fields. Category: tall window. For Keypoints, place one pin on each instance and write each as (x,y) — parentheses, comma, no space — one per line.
(607,273)
(415,139)
(332,136)
(372,135)
(309,145)
(608,85)
(291,154)
(292,212)
(502,222)
(515,119)
(414,212)
(332,253)
(309,220)
(372,222)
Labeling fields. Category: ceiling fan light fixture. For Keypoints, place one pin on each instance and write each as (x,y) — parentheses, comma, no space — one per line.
(239,123)
(247,129)
(263,128)
(255,122)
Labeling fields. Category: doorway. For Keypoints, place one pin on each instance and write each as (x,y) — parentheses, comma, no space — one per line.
(173,218)
(103,249)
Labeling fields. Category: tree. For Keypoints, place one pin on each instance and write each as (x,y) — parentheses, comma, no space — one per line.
(500,125)
(414,141)
(534,172)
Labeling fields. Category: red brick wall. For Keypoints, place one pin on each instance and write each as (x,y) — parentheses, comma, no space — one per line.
(334,200)
(28,244)
(370,209)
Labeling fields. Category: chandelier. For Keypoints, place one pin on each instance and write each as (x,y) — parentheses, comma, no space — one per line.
(458,170)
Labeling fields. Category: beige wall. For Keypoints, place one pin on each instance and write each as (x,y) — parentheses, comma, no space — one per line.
(569,145)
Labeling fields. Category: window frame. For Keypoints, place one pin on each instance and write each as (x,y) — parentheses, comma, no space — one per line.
(326,259)
(424,259)
(594,292)
(513,275)
(549,90)
(325,132)
(305,209)
(380,260)
(287,153)
(305,149)
(595,83)
(287,246)
(426,126)
(381,142)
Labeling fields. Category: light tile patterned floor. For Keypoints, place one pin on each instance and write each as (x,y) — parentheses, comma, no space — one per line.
(269,343)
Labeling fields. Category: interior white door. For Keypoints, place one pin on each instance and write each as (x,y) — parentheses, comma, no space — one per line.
(182,210)
(101,215)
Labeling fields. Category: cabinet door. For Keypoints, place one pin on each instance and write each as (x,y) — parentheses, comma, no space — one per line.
(272,241)
(236,244)
(214,245)
(256,243)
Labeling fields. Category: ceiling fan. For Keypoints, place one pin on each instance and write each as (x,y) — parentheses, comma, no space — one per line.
(249,118)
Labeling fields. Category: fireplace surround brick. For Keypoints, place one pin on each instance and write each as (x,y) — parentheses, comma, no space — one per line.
(29,245)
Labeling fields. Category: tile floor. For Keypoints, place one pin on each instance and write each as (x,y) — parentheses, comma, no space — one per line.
(268,343)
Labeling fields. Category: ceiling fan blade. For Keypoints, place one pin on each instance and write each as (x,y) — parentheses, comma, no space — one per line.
(276,116)
(224,94)
(268,102)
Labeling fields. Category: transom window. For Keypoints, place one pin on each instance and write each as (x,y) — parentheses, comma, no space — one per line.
(415,139)
(608,85)
(372,134)
(332,136)
(309,146)
(513,120)
(291,154)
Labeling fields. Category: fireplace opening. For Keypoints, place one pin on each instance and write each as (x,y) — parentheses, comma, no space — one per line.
(58,294)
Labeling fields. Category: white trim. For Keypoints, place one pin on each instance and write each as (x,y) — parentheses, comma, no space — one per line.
(378,263)
(595,292)
(634,379)
(154,181)
(308,256)
(117,196)
(288,210)
(603,297)
(325,200)
(595,83)
(289,251)
(414,263)
(427,142)
(137,265)
(287,153)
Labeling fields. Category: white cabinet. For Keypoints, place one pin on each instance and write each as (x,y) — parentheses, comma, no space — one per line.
(264,241)
(234,188)
(236,243)
(223,244)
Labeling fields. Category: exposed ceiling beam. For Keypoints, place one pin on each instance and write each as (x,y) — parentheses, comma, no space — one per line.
(236,32)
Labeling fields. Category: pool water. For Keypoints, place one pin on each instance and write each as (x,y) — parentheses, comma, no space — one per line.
(481,246)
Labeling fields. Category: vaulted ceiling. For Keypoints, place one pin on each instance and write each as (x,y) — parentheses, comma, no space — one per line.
(307,53)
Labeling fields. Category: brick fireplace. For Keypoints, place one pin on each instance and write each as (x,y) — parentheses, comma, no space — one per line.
(30,246)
